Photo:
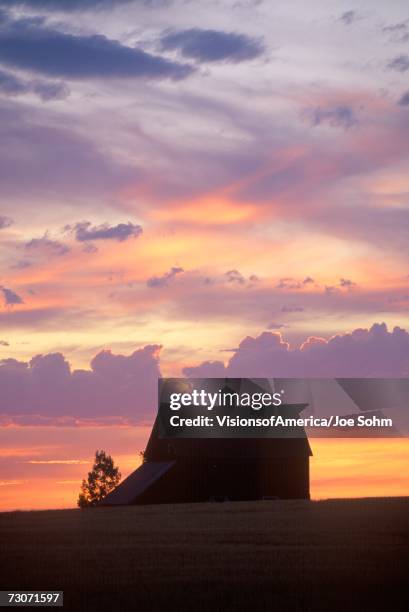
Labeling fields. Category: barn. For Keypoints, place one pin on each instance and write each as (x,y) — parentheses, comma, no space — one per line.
(217,469)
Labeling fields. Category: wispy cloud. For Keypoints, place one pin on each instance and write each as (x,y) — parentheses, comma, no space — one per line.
(57,461)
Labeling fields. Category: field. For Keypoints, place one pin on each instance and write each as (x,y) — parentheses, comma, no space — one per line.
(271,555)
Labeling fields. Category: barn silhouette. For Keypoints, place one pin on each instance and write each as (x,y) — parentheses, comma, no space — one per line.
(217,469)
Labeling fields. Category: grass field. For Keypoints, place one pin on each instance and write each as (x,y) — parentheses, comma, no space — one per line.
(272,555)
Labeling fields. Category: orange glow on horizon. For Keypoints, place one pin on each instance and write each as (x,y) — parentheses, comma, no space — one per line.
(339,468)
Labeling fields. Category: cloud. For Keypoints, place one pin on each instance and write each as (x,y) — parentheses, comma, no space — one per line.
(11,85)
(5,222)
(28,44)
(157,282)
(21,264)
(290,309)
(338,116)
(398,32)
(289,283)
(404,100)
(373,352)
(84,231)
(46,390)
(348,17)
(46,245)
(234,276)
(53,158)
(52,318)
(400,63)
(10,297)
(47,387)
(374,224)
(346,282)
(212,45)
(275,325)
(66,5)
(207,369)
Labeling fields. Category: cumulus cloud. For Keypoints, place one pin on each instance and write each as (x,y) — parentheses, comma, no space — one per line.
(46,389)
(47,245)
(5,222)
(374,352)
(338,116)
(11,298)
(400,63)
(156,282)
(11,85)
(212,45)
(85,231)
(28,44)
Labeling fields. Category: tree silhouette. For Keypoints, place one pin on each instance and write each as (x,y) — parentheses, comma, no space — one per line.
(103,477)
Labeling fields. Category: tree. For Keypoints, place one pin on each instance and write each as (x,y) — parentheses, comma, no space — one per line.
(103,477)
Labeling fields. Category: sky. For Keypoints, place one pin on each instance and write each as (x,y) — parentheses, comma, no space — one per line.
(193,188)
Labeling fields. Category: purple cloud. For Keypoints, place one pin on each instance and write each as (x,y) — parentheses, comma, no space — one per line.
(288,283)
(29,44)
(404,100)
(157,282)
(234,276)
(66,5)
(11,298)
(84,231)
(400,63)
(398,32)
(290,309)
(346,282)
(348,17)
(362,353)
(338,116)
(5,222)
(47,387)
(11,85)
(46,245)
(212,45)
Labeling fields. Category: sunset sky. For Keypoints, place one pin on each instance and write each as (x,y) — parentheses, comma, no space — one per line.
(209,188)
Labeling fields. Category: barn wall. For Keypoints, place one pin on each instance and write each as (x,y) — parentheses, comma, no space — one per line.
(195,480)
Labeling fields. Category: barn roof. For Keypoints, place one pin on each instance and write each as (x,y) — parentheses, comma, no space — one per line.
(137,483)
(168,449)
